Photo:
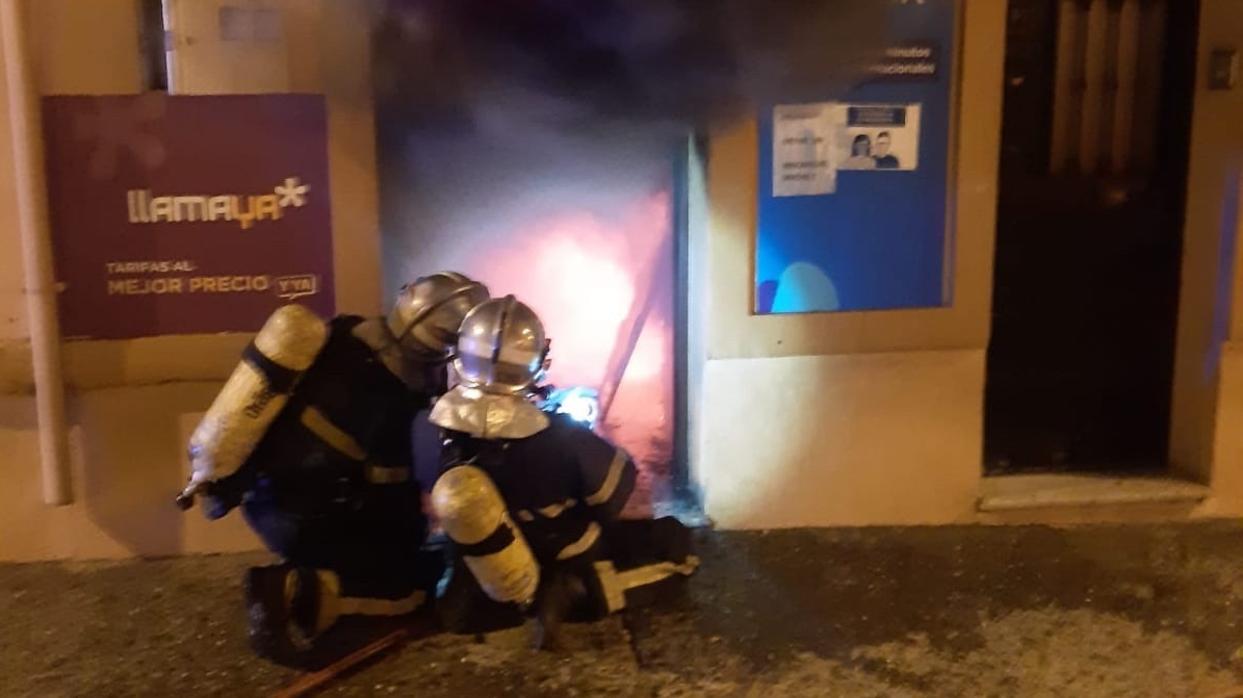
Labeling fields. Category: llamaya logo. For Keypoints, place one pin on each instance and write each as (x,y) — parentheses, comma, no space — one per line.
(244,209)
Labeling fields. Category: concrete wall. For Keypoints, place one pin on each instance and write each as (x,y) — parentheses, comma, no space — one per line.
(854,418)
(858,418)
(132,403)
(1211,331)
(1206,410)
(1226,469)
(876,418)
(82,48)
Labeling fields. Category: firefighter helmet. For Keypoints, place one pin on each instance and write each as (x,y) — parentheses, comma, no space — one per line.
(430,310)
(501,348)
(501,355)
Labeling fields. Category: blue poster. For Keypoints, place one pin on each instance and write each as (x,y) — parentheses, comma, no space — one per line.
(857,219)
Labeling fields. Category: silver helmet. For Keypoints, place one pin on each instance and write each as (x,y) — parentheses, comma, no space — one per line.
(501,355)
(501,348)
(428,312)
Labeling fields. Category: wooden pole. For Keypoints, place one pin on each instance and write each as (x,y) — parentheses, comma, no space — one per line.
(316,679)
(632,327)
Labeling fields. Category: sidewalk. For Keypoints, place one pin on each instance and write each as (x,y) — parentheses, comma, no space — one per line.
(1013,611)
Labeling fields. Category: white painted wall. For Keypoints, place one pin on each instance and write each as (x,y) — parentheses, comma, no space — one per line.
(859,418)
(844,440)
(132,403)
(234,46)
(875,418)
(699,297)
(847,418)
(1226,476)
(12,301)
(1211,294)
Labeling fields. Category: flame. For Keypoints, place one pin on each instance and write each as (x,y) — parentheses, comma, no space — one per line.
(584,268)
(578,270)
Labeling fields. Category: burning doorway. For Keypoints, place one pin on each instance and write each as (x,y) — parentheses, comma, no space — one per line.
(579,227)
(535,145)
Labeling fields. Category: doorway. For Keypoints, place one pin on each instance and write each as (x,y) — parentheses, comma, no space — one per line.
(1095,134)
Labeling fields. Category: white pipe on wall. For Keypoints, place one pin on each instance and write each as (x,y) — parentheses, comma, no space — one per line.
(40,282)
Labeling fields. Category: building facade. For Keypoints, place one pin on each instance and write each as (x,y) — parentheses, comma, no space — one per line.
(818,419)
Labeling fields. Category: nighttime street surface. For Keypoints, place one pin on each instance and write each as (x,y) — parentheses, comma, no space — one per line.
(947,611)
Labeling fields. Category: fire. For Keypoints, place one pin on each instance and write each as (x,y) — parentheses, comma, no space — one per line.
(591,272)
(580,270)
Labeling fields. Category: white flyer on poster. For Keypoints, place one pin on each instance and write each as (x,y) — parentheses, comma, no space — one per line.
(803,153)
(877,136)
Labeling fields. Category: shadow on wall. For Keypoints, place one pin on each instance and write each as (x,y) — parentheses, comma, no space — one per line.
(131,456)
(127,463)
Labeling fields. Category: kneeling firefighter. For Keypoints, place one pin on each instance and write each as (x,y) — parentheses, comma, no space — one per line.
(530,499)
(311,435)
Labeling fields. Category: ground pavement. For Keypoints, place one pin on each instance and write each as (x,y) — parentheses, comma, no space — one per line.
(946,611)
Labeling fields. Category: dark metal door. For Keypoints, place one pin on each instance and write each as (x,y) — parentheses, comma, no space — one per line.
(1089,234)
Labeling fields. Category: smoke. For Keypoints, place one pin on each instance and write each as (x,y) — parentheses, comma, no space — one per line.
(530,143)
(583,64)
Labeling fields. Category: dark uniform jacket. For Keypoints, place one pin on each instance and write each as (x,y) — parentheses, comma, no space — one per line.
(345,429)
(561,485)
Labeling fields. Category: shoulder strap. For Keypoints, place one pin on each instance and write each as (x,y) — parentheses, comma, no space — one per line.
(464,449)
(345,323)
(279,379)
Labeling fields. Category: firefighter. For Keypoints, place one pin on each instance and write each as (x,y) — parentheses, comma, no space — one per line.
(312,437)
(531,500)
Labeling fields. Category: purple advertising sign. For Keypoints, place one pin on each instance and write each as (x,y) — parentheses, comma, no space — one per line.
(187,214)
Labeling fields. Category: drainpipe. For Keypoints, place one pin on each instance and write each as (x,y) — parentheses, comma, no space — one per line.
(40,282)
